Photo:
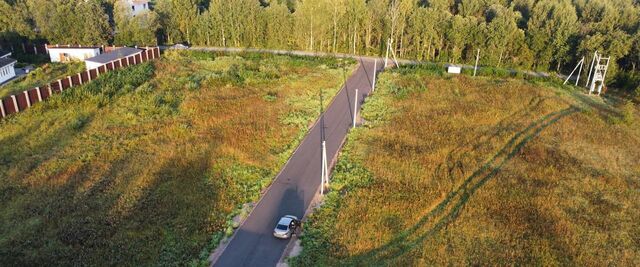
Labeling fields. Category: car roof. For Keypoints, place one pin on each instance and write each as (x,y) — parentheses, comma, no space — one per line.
(285,220)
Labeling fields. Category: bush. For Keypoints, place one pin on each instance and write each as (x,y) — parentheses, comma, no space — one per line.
(234,74)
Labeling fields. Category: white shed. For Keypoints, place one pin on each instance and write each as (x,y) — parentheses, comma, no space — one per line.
(70,53)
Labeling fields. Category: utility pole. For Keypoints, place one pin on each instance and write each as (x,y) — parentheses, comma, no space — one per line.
(475,69)
(375,70)
(386,57)
(580,71)
(593,61)
(355,109)
(578,67)
(324,176)
(393,53)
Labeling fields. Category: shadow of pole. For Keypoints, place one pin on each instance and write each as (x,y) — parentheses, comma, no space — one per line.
(449,208)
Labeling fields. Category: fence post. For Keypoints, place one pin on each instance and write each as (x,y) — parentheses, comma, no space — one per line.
(4,114)
(70,82)
(15,103)
(113,65)
(39,94)
(80,78)
(26,95)
(89,74)
(59,85)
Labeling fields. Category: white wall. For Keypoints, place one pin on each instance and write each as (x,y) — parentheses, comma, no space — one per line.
(137,8)
(7,72)
(92,65)
(78,54)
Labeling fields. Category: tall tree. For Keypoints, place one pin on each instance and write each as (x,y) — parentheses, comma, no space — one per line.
(551,25)
(135,30)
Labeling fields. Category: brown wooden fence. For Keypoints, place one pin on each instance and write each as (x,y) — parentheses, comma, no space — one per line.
(24,100)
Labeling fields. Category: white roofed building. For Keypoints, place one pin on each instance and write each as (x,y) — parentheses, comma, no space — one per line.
(72,53)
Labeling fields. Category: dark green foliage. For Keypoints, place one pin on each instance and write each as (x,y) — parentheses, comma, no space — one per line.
(234,74)
(546,35)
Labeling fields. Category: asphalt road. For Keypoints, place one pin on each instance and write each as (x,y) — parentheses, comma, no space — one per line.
(298,183)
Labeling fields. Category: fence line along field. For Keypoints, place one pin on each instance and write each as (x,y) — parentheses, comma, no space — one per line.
(482,171)
(41,76)
(146,165)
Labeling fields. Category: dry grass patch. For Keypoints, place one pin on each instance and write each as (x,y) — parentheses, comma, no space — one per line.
(464,171)
(147,165)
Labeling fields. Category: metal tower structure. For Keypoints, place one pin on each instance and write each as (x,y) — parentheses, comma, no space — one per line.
(598,73)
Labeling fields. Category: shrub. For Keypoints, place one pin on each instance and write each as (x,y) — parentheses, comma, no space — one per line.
(234,74)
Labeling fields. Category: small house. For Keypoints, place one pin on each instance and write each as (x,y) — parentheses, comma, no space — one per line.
(137,6)
(72,53)
(7,72)
(103,59)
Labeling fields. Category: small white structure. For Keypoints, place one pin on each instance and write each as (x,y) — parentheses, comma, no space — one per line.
(454,69)
(6,67)
(137,6)
(103,59)
(70,53)
(599,71)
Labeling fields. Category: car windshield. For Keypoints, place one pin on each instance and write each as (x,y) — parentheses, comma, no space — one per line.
(282,227)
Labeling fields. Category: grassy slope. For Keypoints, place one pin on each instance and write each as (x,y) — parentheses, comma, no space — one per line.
(145,165)
(464,171)
(40,76)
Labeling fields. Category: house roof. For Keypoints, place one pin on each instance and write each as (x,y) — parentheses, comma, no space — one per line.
(4,53)
(6,61)
(72,47)
(115,54)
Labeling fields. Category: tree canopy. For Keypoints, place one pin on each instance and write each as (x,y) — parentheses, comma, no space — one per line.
(538,34)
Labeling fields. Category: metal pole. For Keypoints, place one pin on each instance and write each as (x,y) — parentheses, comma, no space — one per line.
(375,70)
(323,175)
(355,109)
(592,87)
(574,70)
(475,69)
(325,168)
(393,53)
(386,57)
(593,60)
(580,71)
(324,163)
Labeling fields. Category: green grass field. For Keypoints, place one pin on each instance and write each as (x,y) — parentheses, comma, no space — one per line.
(147,165)
(482,171)
(41,76)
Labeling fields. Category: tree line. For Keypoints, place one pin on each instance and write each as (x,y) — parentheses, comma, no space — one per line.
(528,34)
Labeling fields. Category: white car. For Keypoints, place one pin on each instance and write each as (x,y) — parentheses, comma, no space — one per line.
(286,226)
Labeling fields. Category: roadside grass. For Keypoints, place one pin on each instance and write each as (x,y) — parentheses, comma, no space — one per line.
(455,170)
(40,76)
(147,165)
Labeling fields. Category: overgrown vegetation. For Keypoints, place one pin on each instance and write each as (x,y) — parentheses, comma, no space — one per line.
(454,170)
(147,165)
(41,76)
(541,35)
